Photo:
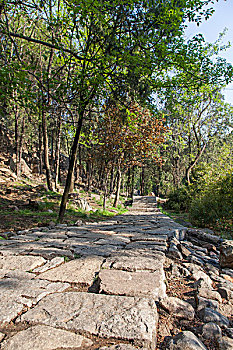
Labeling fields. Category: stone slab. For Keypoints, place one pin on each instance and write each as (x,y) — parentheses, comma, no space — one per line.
(132,319)
(133,264)
(50,264)
(23,263)
(81,270)
(19,290)
(141,283)
(47,338)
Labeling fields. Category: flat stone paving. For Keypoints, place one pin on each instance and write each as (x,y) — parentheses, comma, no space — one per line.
(120,263)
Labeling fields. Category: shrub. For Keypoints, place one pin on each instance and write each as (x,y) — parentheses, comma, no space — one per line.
(214,205)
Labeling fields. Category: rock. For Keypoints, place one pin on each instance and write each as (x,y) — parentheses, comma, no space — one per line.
(185,252)
(200,274)
(226,254)
(2,336)
(211,330)
(229,332)
(141,283)
(119,347)
(19,289)
(209,294)
(50,265)
(23,263)
(134,264)
(185,341)
(203,302)
(210,315)
(44,337)
(225,293)
(132,319)
(178,308)
(225,343)
(81,270)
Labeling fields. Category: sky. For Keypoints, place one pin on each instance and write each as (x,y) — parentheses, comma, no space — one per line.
(210,29)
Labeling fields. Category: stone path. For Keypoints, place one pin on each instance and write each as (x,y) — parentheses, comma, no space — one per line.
(103,285)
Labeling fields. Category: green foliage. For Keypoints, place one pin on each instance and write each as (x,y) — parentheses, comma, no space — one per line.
(179,199)
(214,205)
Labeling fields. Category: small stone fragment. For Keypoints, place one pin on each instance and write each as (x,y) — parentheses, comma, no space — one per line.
(1,336)
(44,337)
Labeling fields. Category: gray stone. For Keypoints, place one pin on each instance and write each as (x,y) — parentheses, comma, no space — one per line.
(225,343)
(132,319)
(225,293)
(173,252)
(133,264)
(186,341)
(178,308)
(210,315)
(203,302)
(119,347)
(226,254)
(23,263)
(48,253)
(209,294)
(81,270)
(44,337)
(229,332)
(141,283)
(200,274)
(18,290)
(211,331)
(50,264)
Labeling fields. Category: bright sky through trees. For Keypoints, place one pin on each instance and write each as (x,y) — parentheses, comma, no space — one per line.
(221,19)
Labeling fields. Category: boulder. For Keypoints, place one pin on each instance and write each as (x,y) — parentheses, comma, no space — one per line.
(226,254)
(178,308)
(185,341)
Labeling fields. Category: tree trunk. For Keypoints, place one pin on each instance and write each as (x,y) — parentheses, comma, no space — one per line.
(142,181)
(71,167)
(46,151)
(41,149)
(57,152)
(118,188)
(192,165)
(132,182)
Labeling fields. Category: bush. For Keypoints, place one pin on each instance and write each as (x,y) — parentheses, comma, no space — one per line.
(179,199)
(214,205)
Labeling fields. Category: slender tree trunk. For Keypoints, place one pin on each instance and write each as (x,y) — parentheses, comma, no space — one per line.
(142,181)
(118,187)
(41,148)
(132,182)
(20,146)
(112,180)
(128,183)
(46,151)
(192,165)
(57,152)
(71,167)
